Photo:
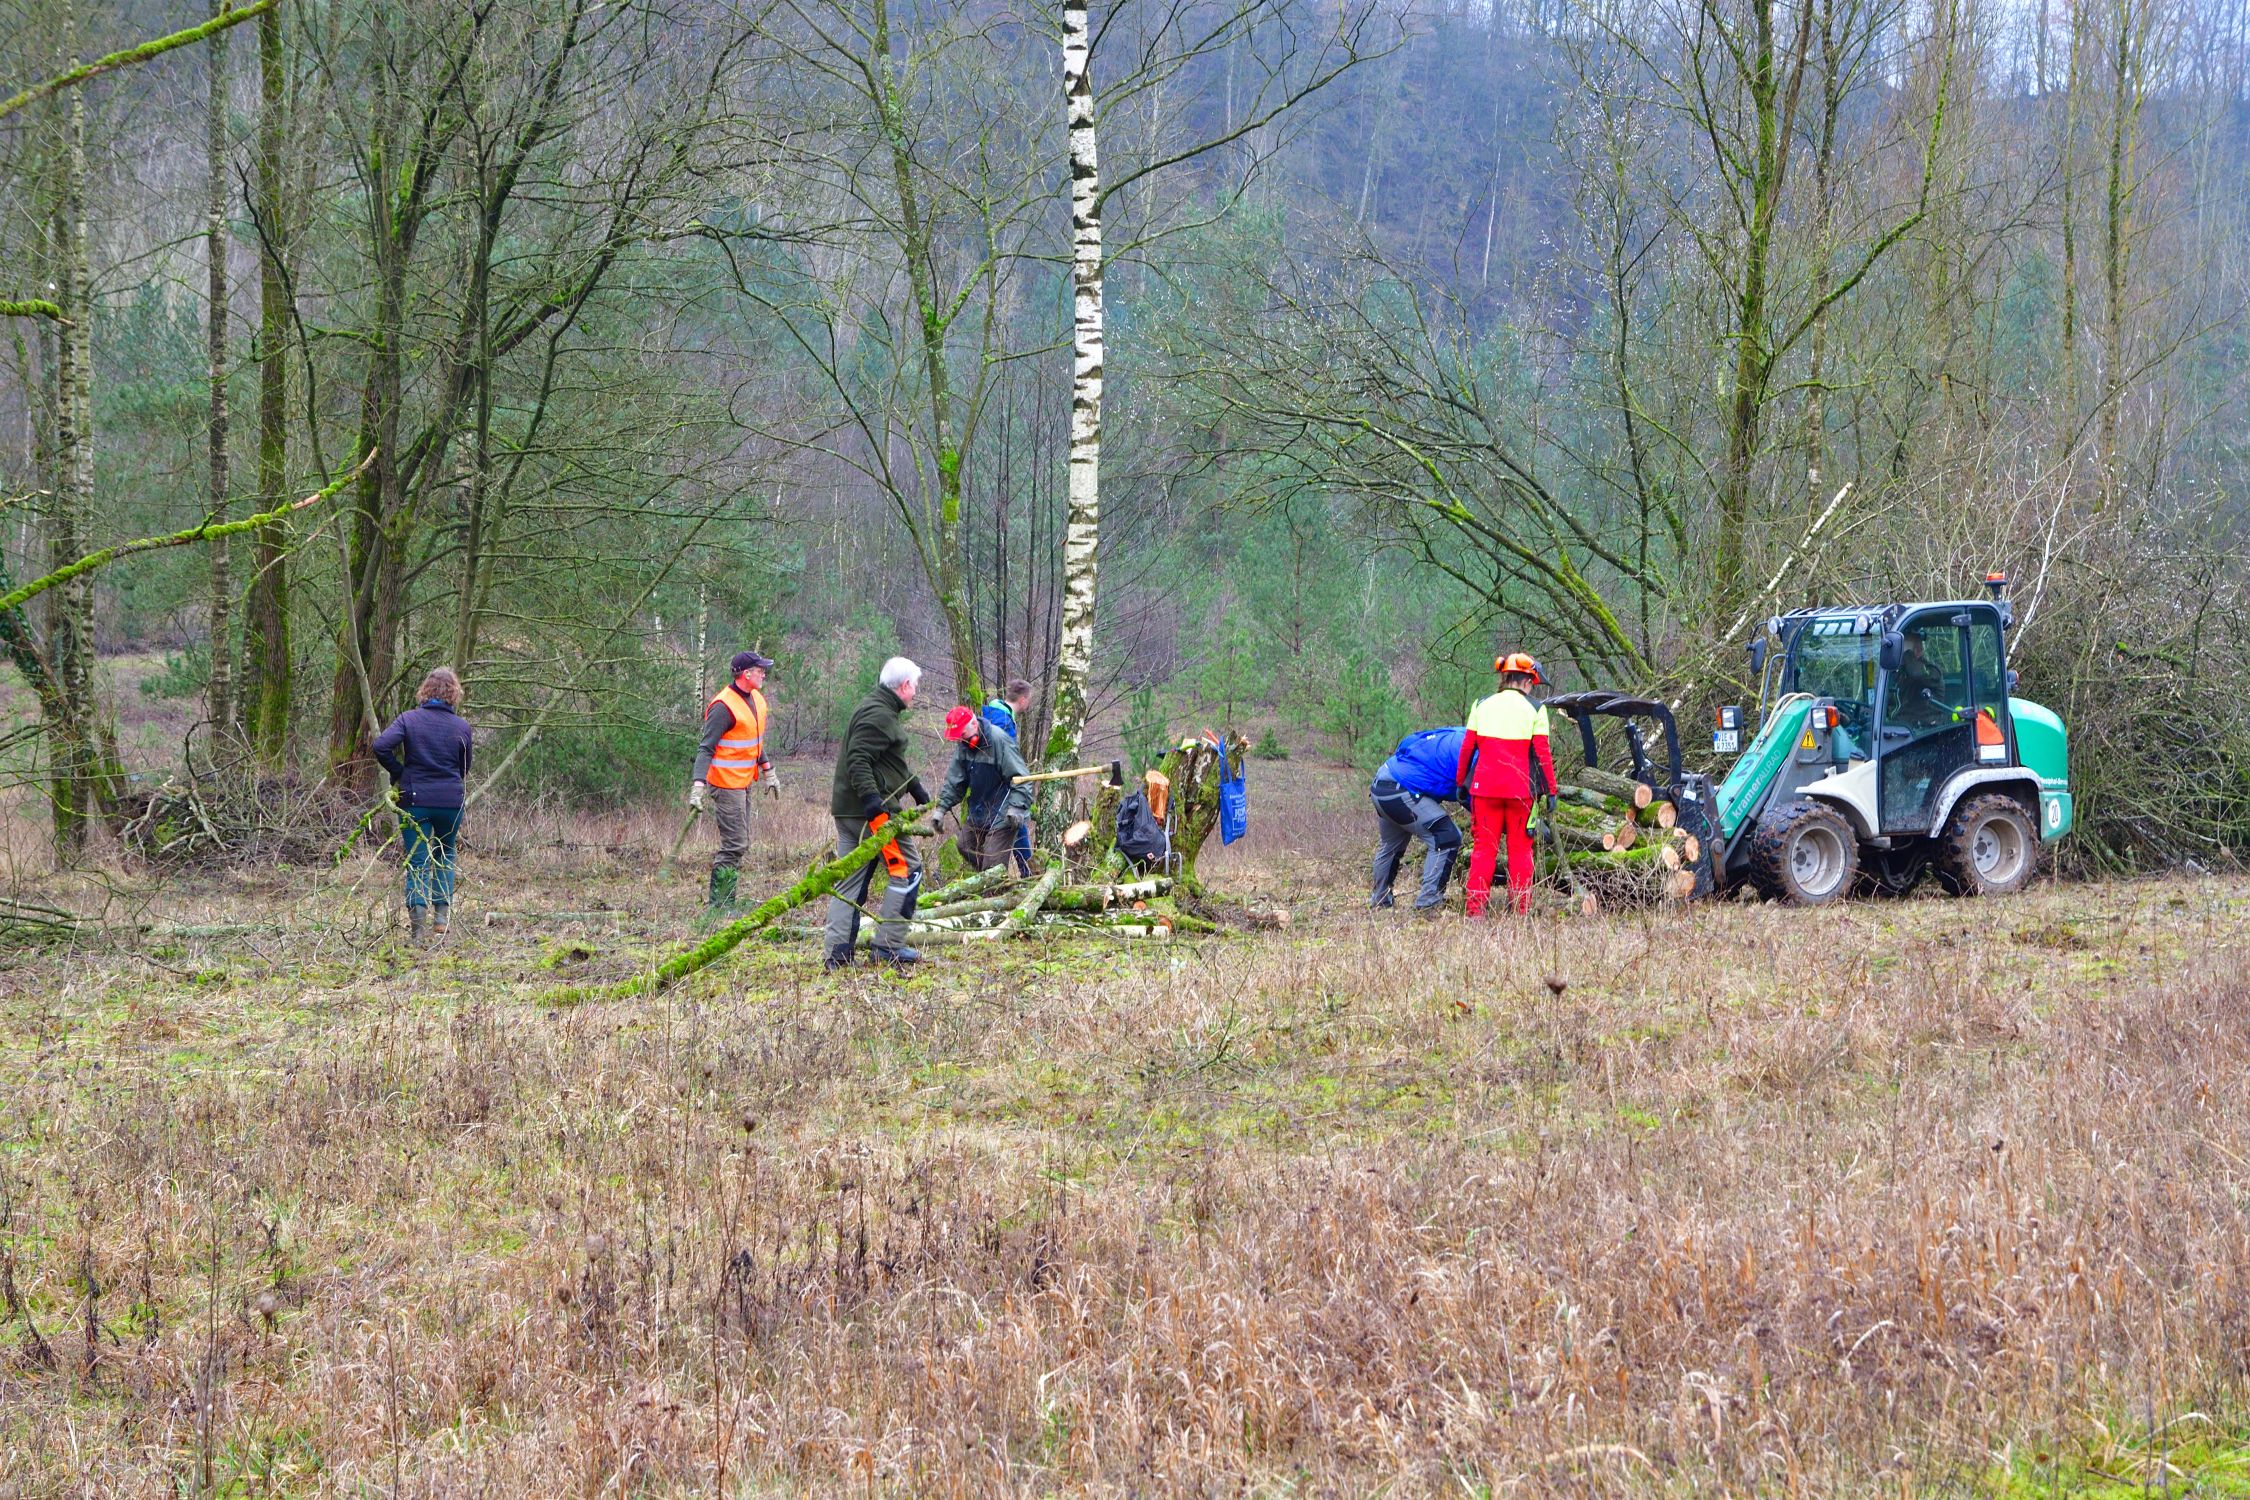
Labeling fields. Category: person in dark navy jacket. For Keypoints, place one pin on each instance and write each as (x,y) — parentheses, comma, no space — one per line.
(427,750)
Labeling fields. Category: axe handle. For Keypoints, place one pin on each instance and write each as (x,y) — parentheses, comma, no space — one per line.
(1061,775)
(695,815)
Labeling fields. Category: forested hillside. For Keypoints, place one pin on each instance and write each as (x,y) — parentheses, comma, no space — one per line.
(627,334)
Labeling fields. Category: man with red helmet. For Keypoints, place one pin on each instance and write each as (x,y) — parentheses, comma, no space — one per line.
(982,782)
(1504,755)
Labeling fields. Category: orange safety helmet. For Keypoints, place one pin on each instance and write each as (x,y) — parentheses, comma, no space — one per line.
(1519,661)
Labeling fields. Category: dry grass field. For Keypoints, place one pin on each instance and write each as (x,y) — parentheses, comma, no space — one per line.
(1911,1198)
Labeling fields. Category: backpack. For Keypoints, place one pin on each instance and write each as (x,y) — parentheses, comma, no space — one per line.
(1140,837)
(1427,761)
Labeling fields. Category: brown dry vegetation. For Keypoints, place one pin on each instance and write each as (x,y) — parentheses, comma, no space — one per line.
(1901,1198)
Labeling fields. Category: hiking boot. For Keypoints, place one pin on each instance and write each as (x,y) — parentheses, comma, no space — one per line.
(1380,903)
(898,958)
(839,958)
(417,924)
(441,918)
(722,887)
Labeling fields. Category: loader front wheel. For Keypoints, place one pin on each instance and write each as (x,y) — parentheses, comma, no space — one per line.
(1804,853)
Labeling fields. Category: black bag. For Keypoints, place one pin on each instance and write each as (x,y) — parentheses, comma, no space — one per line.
(1140,837)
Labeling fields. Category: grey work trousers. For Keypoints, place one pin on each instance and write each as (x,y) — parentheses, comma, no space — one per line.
(899,893)
(1403,816)
(730,808)
(984,845)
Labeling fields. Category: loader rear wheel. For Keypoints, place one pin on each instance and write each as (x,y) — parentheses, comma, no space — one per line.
(1803,853)
(1990,847)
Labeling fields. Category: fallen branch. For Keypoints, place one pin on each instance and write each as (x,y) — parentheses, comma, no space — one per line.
(972,885)
(1019,920)
(819,883)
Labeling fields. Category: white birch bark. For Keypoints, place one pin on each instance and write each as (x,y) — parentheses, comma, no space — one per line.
(1075,651)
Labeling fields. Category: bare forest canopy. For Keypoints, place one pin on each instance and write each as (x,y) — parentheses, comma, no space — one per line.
(1245,361)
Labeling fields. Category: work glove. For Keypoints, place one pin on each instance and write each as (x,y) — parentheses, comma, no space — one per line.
(919,792)
(770,781)
(1548,804)
(871,808)
(696,793)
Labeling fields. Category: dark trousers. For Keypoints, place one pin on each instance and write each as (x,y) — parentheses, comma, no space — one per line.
(1401,817)
(432,836)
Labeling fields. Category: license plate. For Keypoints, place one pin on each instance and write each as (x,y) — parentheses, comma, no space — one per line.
(1726,741)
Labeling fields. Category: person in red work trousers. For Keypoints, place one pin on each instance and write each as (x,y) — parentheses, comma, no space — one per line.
(1506,731)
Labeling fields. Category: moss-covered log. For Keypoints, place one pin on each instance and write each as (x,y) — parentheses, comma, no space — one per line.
(973,885)
(1639,793)
(1020,920)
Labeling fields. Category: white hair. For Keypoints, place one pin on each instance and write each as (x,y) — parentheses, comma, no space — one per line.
(897,672)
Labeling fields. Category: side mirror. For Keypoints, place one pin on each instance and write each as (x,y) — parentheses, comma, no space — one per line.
(1757,656)
(1891,655)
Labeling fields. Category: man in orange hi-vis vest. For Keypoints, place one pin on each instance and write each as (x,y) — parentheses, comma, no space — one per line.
(1507,734)
(731,760)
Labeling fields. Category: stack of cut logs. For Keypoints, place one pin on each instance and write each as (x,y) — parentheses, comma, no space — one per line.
(1623,843)
(994,905)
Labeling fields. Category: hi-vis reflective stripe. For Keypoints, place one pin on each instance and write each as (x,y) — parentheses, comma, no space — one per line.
(1507,716)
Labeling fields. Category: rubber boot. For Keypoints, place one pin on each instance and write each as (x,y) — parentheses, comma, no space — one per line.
(441,919)
(839,958)
(418,924)
(723,880)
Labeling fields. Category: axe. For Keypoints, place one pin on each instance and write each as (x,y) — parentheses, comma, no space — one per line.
(1115,771)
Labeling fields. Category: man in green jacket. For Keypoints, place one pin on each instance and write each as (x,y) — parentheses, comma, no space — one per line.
(871,776)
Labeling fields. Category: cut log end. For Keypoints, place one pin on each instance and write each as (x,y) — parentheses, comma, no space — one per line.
(1075,834)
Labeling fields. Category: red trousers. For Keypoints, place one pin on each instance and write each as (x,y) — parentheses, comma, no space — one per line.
(1491,819)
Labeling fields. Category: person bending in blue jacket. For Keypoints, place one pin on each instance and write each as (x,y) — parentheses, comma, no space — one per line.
(427,750)
(1410,793)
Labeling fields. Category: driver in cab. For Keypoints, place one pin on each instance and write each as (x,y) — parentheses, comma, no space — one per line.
(1918,692)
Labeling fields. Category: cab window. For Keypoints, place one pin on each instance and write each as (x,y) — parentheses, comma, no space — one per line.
(1987,676)
(1933,682)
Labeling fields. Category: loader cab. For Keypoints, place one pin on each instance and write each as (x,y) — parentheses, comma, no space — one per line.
(1920,694)
(1943,708)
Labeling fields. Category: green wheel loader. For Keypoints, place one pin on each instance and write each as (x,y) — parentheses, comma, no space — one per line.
(1894,747)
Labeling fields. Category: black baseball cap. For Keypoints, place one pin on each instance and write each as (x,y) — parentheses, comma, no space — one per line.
(745,660)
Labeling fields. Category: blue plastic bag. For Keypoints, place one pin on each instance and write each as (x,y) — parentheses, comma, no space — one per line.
(1234,800)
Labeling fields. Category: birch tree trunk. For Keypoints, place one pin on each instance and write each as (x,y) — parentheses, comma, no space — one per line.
(219,695)
(1074,653)
(266,661)
(70,617)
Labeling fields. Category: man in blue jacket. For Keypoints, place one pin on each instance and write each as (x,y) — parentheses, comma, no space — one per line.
(1410,793)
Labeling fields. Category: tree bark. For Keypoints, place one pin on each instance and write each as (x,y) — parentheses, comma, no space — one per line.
(266,665)
(1074,654)
(70,627)
(219,696)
